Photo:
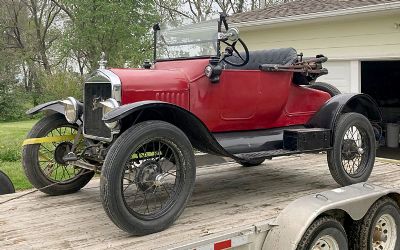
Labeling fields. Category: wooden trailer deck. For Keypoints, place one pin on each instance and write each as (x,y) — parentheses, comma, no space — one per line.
(226,197)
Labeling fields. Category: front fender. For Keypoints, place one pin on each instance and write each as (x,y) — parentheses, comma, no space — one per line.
(51,107)
(197,132)
(329,113)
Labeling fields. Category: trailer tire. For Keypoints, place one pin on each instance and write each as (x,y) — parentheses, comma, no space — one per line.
(250,163)
(6,186)
(136,174)
(347,148)
(383,216)
(326,87)
(324,230)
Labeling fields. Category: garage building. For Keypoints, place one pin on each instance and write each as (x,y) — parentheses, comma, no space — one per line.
(361,38)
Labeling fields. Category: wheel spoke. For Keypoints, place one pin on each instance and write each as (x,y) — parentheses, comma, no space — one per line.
(354,150)
(51,156)
(145,190)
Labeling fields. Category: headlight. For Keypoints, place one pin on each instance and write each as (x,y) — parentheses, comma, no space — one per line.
(109,105)
(72,109)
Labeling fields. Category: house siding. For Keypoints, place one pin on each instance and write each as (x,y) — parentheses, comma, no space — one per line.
(346,39)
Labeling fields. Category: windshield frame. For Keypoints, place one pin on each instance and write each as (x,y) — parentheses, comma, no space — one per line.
(156,28)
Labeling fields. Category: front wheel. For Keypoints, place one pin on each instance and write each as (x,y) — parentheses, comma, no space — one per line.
(43,163)
(148,177)
(379,229)
(324,233)
(353,155)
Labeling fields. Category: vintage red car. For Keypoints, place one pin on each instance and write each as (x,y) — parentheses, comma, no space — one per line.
(140,127)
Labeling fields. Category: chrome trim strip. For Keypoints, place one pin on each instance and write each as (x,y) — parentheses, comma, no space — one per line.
(114,80)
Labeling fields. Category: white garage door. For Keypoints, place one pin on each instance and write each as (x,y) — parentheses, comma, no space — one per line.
(339,75)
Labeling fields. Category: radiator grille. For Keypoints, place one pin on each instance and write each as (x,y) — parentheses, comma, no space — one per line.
(93,123)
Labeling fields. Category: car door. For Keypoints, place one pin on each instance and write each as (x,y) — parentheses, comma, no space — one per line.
(239,95)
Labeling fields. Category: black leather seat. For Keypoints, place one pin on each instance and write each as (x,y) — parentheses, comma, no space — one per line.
(284,56)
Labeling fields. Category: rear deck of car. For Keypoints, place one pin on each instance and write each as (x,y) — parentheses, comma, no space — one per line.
(226,197)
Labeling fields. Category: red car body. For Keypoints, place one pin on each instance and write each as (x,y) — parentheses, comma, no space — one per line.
(242,100)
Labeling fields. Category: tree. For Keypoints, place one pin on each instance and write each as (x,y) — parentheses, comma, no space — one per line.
(121,29)
(198,11)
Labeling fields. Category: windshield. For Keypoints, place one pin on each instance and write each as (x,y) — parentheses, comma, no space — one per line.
(195,40)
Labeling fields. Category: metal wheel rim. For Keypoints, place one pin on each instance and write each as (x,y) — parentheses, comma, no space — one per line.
(355,151)
(151,195)
(384,235)
(326,242)
(50,168)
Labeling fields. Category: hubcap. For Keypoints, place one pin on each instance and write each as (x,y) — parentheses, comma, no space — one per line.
(326,242)
(147,174)
(62,150)
(354,151)
(384,236)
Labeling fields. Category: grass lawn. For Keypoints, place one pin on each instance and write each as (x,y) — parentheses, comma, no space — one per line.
(11,136)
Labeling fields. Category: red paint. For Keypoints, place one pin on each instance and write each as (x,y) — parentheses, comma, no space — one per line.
(223,245)
(242,100)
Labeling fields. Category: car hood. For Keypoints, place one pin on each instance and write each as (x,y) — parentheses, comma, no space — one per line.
(166,77)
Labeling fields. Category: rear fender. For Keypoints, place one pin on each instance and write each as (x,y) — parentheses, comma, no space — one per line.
(48,108)
(192,126)
(329,113)
(291,224)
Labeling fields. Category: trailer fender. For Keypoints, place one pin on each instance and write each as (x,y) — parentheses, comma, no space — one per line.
(291,224)
(48,107)
(190,124)
(328,114)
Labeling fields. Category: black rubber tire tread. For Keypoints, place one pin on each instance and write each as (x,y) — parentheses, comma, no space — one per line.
(6,185)
(360,231)
(31,165)
(250,163)
(110,177)
(330,89)
(333,156)
(324,225)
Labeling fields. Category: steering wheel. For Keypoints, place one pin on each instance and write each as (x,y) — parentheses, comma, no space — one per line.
(238,58)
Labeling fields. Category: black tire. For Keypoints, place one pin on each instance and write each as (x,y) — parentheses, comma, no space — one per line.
(250,163)
(32,165)
(320,228)
(363,231)
(131,143)
(345,152)
(332,90)
(6,186)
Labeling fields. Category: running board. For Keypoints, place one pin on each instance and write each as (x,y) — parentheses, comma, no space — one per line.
(274,153)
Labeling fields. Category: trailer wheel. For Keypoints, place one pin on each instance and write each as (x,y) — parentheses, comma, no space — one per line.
(328,88)
(324,233)
(148,177)
(250,163)
(379,229)
(6,186)
(43,163)
(353,155)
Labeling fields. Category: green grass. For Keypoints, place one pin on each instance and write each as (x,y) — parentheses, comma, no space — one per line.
(11,136)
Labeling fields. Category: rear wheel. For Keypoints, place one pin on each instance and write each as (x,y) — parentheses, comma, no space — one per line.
(353,155)
(43,162)
(324,233)
(328,88)
(148,177)
(379,229)
(6,186)
(250,163)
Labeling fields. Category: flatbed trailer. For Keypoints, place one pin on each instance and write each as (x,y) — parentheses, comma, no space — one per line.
(231,205)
